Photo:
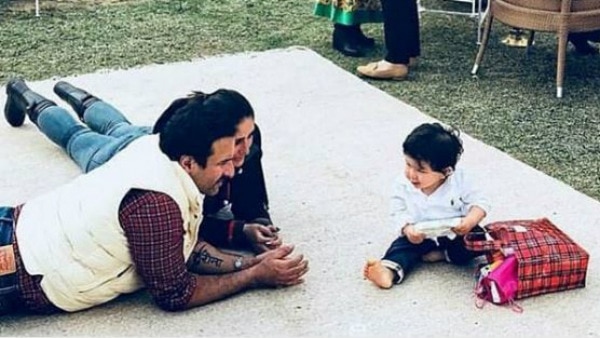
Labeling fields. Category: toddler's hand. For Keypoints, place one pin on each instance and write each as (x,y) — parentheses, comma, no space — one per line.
(462,229)
(414,236)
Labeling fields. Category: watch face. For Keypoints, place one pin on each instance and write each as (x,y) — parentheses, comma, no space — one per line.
(238,263)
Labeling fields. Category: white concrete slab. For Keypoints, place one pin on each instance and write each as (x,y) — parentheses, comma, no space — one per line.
(332,148)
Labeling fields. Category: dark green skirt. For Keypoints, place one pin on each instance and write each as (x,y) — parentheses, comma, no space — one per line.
(350,12)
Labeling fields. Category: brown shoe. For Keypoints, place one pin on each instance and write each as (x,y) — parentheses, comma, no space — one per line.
(377,70)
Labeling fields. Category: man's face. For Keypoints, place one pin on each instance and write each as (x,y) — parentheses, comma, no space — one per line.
(422,176)
(219,167)
(243,141)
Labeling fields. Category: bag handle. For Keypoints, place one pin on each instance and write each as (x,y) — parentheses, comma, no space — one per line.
(488,244)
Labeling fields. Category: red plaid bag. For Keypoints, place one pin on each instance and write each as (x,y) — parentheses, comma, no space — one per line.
(547,259)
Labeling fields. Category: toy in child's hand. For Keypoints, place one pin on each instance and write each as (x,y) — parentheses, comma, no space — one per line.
(438,228)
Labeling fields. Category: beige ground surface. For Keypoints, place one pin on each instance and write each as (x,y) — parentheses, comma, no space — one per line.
(332,148)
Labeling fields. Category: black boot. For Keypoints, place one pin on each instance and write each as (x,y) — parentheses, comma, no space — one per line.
(363,40)
(21,100)
(77,98)
(344,41)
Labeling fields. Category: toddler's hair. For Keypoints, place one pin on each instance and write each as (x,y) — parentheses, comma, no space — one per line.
(435,145)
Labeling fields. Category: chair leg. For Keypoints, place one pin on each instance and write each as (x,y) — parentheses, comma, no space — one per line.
(560,67)
(486,35)
(530,42)
(481,17)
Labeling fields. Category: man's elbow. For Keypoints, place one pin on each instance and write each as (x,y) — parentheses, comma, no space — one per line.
(172,305)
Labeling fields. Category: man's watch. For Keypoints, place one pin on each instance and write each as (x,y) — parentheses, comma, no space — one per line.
(237,264)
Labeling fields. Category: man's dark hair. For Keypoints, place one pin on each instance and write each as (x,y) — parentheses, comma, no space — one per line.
(190,125)
(435,145)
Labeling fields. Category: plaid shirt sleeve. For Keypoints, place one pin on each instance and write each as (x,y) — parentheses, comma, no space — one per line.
(152,224)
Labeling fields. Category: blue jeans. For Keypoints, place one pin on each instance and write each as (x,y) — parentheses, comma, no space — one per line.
(106,133)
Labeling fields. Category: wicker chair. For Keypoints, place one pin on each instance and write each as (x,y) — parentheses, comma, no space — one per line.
(560,16)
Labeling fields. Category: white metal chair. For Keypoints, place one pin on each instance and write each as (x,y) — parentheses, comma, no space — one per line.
(478,12)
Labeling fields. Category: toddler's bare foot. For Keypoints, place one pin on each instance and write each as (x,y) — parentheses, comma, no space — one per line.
(434,256)
(378,274)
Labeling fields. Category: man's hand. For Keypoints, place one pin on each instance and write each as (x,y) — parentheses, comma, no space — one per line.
(413,235)
(279,268)
(262,237)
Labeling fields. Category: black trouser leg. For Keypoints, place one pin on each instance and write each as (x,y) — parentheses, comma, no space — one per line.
(414,43)
(455,248)
(407,254)
(401,30)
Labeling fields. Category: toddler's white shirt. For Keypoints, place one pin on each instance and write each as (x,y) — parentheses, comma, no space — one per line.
(452,199)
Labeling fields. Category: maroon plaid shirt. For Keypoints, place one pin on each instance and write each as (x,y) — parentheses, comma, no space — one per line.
(152,224)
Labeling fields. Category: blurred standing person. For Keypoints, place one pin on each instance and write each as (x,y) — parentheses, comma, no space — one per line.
(402,41)
(347,17)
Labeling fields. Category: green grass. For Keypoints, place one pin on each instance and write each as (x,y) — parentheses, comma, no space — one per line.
(510,105)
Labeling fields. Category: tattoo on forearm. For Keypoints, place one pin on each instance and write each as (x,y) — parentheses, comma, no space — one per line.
(203,257)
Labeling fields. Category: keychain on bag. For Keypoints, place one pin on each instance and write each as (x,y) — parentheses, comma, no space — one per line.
(498,281)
